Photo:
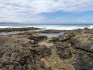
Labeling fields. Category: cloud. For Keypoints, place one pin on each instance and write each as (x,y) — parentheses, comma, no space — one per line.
(31,10)
(40,6)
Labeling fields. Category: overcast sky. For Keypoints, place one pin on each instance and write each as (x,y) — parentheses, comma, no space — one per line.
(46,11)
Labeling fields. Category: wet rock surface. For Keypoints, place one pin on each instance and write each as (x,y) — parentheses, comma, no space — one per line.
(30,51)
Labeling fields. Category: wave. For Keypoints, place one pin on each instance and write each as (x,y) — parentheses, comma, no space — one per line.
(64,27)
(56,27)
(90,27)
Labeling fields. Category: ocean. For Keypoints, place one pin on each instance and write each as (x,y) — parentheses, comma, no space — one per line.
(50,26)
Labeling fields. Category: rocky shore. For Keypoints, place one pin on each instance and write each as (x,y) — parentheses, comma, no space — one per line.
(17,29)
(31,51)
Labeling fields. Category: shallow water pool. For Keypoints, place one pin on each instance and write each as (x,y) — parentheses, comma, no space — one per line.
(51,35)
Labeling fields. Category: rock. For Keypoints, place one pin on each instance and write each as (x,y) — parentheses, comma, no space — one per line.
(41,51)
(66,37)
(84,62)
(38,37)
(18,29)
(54,39)
(82,45)
(72,51)
(64,51)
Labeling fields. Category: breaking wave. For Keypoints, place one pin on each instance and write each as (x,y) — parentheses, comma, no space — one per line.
(56,27)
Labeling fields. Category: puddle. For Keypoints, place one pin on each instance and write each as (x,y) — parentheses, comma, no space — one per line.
(51,35)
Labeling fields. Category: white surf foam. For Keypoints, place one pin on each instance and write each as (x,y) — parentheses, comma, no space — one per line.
(56,27)
(64,27)
(90,27)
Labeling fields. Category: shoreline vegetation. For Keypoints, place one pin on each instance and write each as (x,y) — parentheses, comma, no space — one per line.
(29,50)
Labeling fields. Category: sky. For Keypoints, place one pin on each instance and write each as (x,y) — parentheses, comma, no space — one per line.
(47,11)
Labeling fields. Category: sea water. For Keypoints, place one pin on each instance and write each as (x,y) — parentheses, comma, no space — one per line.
(46,27)
(51,26)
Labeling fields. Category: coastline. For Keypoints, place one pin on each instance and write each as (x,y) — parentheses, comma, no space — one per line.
(32,50)
(51,26)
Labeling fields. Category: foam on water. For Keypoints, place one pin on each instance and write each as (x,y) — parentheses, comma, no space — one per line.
(57,27)
(63,27)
